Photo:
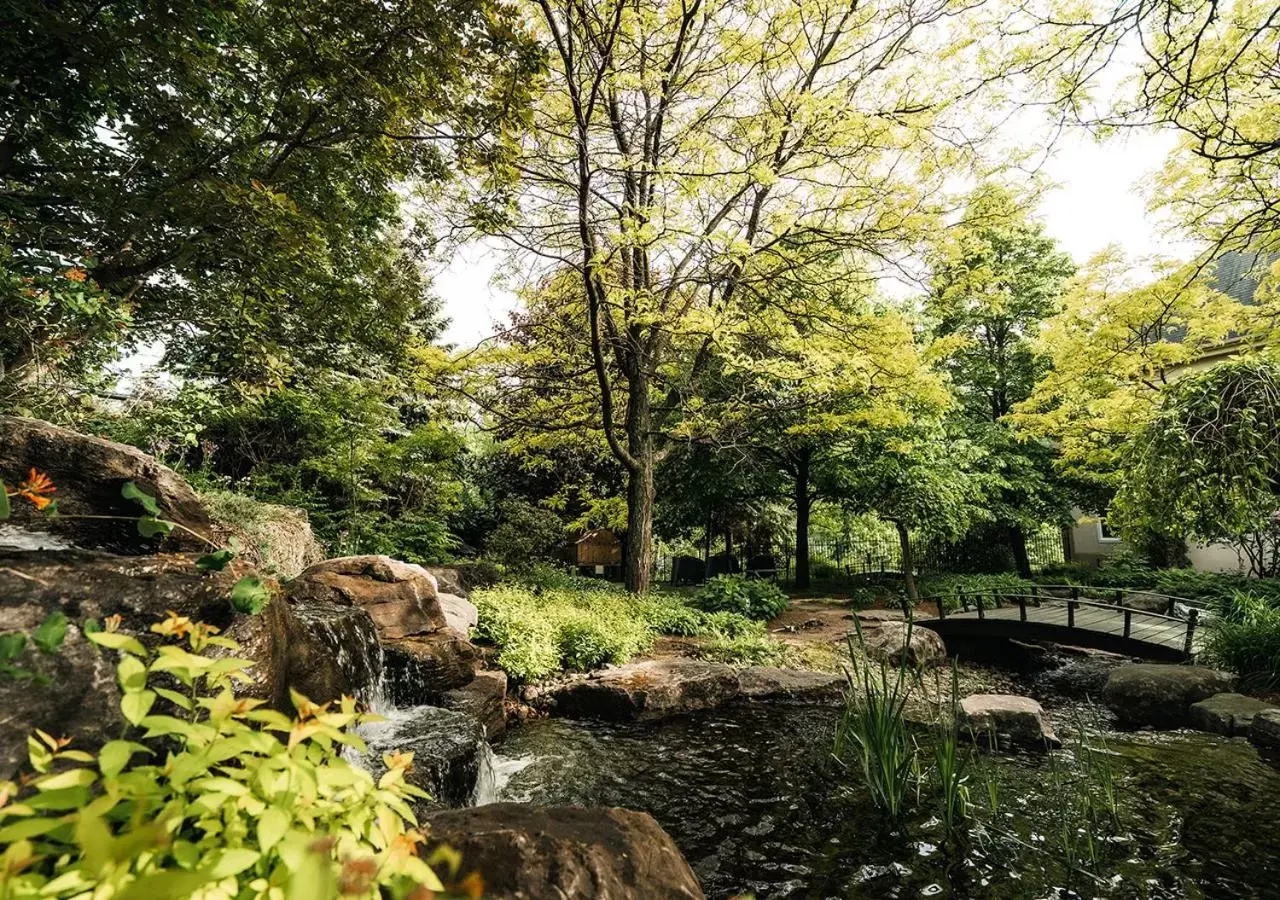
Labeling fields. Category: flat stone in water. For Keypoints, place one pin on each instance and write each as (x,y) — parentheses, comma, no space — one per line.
(1229,714)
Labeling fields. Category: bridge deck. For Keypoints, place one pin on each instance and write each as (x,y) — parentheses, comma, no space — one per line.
(1100,626)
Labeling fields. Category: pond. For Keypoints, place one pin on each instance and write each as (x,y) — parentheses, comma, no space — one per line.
(748,794)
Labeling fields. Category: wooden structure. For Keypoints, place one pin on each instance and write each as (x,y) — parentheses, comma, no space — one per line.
(598,552)
(1062,616)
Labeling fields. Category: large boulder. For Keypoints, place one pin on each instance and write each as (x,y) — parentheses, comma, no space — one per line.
(447,748)
(423,667)
(790,686)
(1161,695)
(483,698)
(278,540)
(89,474)
(645,690)
(1007,722)
(401,597)
(460,614)
(71,693)
(1264,730)
(1229,714)
(898,642)
(530,853)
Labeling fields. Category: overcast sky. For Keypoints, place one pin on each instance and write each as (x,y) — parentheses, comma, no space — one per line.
(1096,202)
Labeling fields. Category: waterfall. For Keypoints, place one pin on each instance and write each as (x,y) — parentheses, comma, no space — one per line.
(495,772)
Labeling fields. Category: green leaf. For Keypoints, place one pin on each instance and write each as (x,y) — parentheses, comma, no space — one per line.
(131,491)
(272,825)
(232,861)
(114,640)
(135,706)
(216,561)
(132,674)
(174,884)
(115,755)
(6,509)
(149,526)
(11,644)
(90,626)
(250,595)
(50,633)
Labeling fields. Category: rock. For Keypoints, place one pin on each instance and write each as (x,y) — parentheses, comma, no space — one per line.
(898,642)
(1153,603)
(1264,730)
(460,614)
(422,667)
(527,852)
(278,540)
(1014,721)
(793,685)
(288,650)
(1229,714)
(447,746)
(1161,695)
(89,474)
(484,698)
(333,651)
(449,580)
(645,690)
(401,597)
(73,695)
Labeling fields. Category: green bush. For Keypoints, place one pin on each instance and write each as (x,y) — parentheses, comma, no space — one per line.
(526,534)
(823,569)
(1245,638)
(746,650)
(754,599)
(216,796)
(951,587)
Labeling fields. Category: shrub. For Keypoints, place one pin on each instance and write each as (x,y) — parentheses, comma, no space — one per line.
(823,569)
(950,588)
(746,650)
(1245,638)
(733,593)
(669,615)
(209,796)
(526,534)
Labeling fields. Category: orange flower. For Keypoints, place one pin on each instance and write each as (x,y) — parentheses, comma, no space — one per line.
(176,625)
(75,275)
(36,488)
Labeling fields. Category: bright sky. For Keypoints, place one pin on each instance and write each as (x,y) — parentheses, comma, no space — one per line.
(1096,203)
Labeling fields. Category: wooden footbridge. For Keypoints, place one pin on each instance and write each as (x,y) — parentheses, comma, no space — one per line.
(1104,619)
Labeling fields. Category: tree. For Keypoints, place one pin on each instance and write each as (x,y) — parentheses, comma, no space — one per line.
(681,151)
(1117,344)
(923,480)
(226,177)
(996,277)
(1207,464)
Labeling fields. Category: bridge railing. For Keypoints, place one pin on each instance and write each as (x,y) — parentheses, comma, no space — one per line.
(1073,596)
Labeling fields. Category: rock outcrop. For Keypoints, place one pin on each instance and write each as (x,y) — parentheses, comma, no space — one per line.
(653,689)
(1229,714)
(898,642)
(447,746)
(483,698)
(89,474)
(530,853)
(1161,695)
(1006,721)
(1264,730)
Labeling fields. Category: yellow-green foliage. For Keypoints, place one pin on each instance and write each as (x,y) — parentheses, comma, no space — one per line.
(581,624)
(208,796)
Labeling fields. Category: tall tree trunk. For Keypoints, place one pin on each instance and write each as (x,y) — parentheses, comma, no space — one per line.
(1018,544)
(804,505)
(908,564)
(640,490)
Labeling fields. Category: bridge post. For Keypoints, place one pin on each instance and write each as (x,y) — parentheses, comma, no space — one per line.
(1022,608)
(1071,613)
(1188,647)
(942,607)
(980,614)
(1128,621)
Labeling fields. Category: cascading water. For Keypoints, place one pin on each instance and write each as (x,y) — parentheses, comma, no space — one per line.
(350,634)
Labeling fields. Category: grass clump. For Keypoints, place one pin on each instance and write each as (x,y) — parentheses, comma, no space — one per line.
(1245,638)
(753,598)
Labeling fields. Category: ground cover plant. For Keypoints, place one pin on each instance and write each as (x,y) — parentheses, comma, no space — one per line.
(557,622)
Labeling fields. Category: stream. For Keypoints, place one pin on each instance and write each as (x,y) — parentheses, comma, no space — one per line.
(749,795)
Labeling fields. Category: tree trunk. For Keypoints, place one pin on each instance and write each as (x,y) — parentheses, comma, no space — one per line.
(908,564)
(1018,545)
(804,505)
(640,490)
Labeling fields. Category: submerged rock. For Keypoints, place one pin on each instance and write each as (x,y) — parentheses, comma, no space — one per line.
(447,748)
(530,853)
(89,474)
(1161,695)
(1009,720)
(1229,714)
(898,642)
(1264,730)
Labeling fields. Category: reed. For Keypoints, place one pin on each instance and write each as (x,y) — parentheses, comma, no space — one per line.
(951,762)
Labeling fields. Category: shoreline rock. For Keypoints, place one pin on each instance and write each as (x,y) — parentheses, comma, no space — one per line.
(1228,714)
(1161,695)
